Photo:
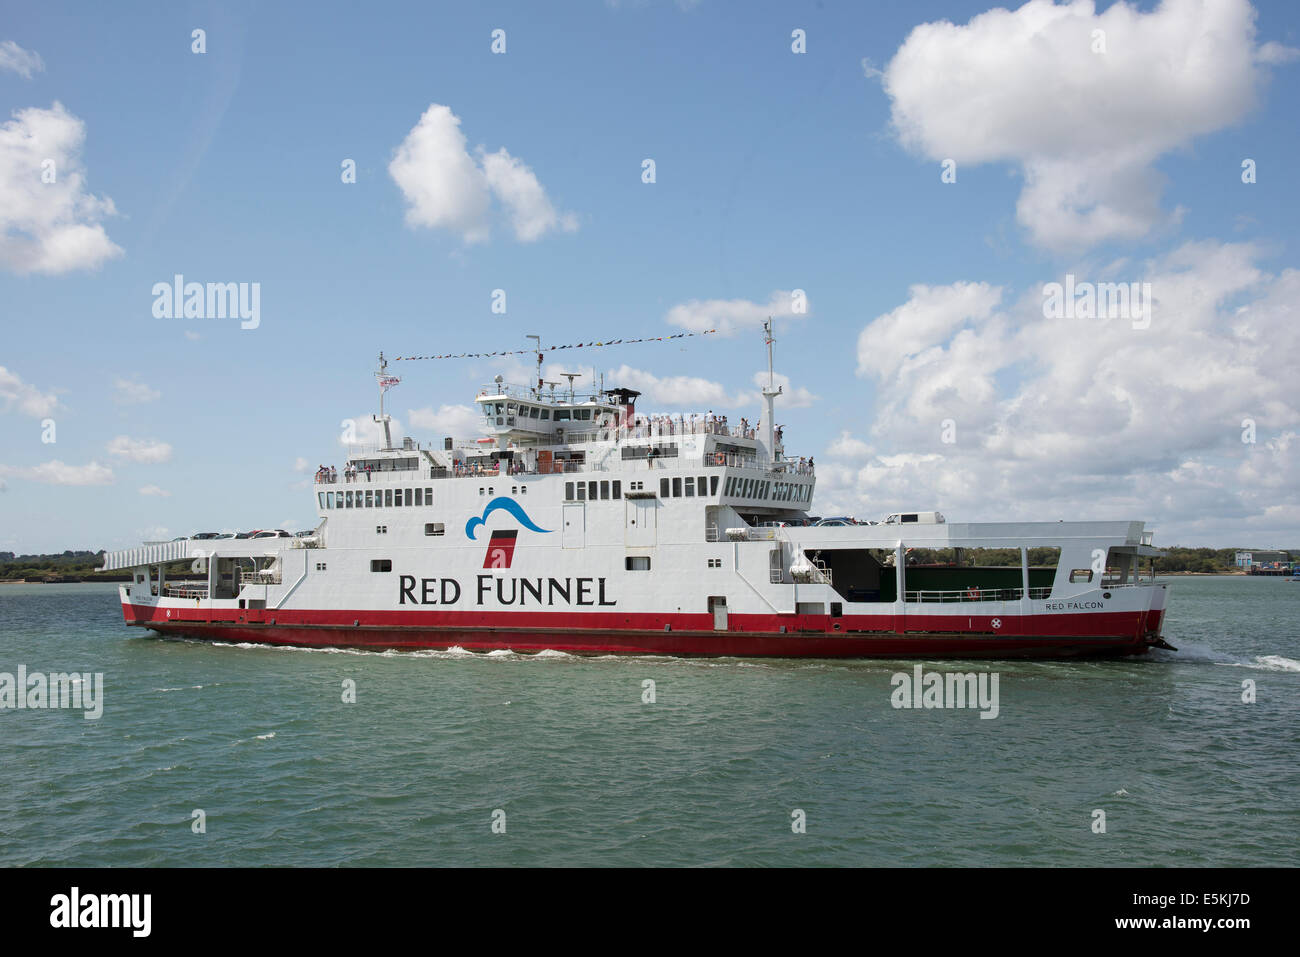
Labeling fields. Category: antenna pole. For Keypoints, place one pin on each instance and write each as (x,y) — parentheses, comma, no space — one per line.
(538,340)
(770,394)
(381,376)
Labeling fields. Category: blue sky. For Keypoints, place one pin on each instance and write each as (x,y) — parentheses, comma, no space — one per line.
(775,171)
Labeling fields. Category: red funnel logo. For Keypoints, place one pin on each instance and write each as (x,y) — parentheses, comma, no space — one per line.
(501,549)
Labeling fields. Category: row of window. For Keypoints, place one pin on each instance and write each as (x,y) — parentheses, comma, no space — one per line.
(688,487)
(376,498)
(592,491)
(514,490)
(536,412)
(665,451)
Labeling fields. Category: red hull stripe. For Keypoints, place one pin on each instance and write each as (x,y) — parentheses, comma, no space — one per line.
(1088,625)
(602,633)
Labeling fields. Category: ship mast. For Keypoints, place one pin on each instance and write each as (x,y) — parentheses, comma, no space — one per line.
(381,374)
(537,390)
(769,395)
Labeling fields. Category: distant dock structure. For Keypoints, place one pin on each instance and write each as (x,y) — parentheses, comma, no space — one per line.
(1268,561)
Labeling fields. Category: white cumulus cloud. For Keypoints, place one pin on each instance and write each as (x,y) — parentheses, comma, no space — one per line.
(49,226)
(446,187)
(147,451)
(691,393)
(1075,418)
(17,60)
(457,421)
(56,472)
(1084,114)
(154,490)
(729,316)
(133,392)
(25,397)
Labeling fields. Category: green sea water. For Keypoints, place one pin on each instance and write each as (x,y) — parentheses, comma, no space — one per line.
(575,767)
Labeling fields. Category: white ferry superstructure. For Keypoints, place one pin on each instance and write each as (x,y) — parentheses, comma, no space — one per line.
(578,525)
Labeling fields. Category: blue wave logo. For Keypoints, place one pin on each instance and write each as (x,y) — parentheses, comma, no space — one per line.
(502,504)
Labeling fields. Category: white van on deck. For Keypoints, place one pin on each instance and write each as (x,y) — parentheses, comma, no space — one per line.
(915,518)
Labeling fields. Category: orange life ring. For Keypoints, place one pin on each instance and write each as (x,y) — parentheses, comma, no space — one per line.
(719,458)
(973,592)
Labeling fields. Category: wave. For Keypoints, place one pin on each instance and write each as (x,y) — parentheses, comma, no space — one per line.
(1266,663)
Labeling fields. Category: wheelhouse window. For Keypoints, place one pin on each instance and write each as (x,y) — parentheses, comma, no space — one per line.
(663,488)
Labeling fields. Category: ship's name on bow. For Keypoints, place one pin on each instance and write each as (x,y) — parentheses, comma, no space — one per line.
(506,591)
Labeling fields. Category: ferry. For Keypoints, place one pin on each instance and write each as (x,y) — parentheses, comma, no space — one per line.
(575,523)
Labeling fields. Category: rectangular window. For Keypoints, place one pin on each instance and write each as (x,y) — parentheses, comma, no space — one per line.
(618,489)
(433,528)
(677,488)
(409,497)
(388,497)
(592,490)
(690,486)
(713,485)
(428,496)
(637,563)
(1080,575)
(604,490)
(582,491)
(701,485)
(561,415)
(320,566)
(347,502)
(546,413)
(663,488)
(715,562)
(532,412)
(329,499)
(381,564)
(370,499)
(320,496)
(568,491)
